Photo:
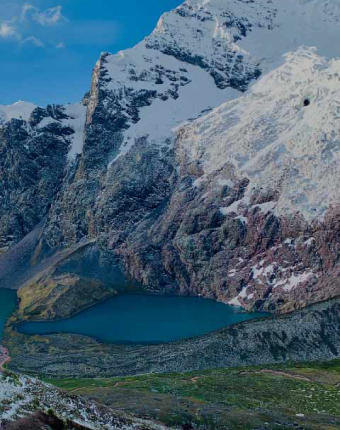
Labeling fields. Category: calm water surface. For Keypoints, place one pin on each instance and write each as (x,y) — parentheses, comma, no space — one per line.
(8,301)
(145,319)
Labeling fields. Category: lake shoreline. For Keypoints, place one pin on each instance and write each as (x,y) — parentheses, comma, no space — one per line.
(130,320)
(280,339)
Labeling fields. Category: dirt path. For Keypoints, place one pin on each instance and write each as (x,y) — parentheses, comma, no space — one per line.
(280,373)
(4,357)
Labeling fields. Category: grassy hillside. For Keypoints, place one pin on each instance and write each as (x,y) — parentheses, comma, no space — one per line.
(274,397)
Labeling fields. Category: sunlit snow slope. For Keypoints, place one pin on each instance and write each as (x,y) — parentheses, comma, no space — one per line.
(204,52)
(272,138)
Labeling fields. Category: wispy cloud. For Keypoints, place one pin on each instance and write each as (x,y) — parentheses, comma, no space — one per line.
(48,17)
(33,40)
(32,26)
(28,24)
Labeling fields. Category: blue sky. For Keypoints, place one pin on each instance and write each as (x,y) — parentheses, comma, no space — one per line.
(49,47)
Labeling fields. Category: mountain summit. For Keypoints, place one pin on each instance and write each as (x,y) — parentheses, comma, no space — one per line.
(203,161)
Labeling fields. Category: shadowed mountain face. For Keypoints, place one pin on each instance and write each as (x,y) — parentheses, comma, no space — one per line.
(181,171)
(42,421)
(38,421)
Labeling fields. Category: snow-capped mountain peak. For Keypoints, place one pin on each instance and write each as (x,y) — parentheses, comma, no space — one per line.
(19,110)
(201,54)
(209,147)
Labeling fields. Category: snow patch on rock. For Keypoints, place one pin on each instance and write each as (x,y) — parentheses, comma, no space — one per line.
(19,110)
(293,281)
(76,121)
(236,301)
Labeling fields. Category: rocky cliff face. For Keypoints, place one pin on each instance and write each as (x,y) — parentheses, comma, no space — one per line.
(34,148)
(193,179)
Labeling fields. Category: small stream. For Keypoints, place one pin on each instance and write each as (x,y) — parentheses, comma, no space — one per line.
(8,302)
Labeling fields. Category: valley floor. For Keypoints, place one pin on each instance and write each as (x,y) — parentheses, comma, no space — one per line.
(267,398)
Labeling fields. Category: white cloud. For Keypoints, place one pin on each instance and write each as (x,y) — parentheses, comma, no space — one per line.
(7,30)
(60,45)
(48,17)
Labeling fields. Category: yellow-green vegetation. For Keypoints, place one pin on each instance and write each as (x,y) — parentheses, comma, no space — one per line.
(305,396)
(59,297)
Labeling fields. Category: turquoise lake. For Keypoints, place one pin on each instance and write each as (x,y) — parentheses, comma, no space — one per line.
(8,302)
(127,319)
